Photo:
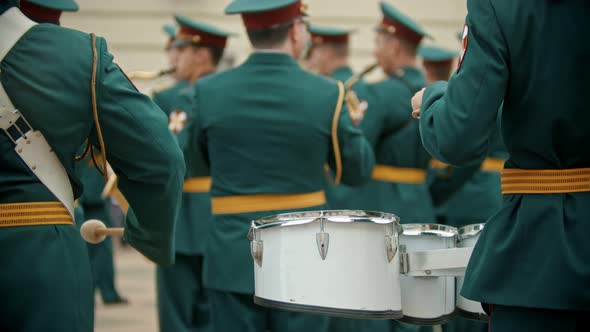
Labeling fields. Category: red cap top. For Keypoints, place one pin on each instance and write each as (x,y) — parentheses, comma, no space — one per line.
(329,39)
(40,14)
(260,20)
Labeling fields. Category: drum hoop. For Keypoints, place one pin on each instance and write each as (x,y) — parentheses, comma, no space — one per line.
(470,231)
(430,230)
(336,312)
(306,217)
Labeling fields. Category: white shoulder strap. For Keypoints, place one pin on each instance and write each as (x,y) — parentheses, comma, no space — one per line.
(30,145)
(13,24)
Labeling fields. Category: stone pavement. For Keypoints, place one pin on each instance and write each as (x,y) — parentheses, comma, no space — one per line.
(135,280)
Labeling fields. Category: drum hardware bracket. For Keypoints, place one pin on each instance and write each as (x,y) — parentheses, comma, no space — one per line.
(323,240)
(256,246)
(435,263)
(391,247)
(403,259)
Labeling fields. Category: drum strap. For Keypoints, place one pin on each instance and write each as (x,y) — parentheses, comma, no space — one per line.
(553,181)
(266,202)
(386,173)
(200,184)
(29,144)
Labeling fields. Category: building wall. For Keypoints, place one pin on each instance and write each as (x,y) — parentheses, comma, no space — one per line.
(133,28)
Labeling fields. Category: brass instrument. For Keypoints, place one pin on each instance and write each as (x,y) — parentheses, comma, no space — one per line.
(356,107)
(149,75)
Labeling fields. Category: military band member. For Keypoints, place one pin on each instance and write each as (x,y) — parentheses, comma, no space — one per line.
(329,52)
(462,195)
(532,261)
(165,94)
(438,63)
(182,300)
(265,129)
(95,207)
(46,73)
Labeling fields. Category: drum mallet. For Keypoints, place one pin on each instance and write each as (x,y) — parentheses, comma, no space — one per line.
(94,231)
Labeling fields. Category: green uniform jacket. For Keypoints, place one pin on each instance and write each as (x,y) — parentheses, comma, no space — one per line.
(269,133)
(165,99)
(396,142)
(139,146)
(339,196)
(535,251)
(192,225)
(469,195)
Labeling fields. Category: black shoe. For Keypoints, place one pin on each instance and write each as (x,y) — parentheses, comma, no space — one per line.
(119,301)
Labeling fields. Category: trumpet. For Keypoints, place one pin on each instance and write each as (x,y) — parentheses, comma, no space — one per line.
(149,75)
(356,107)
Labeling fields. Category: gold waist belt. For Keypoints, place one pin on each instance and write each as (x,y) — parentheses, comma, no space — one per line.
(394,174)
(524,181)
(34,214)
(266,202)
(488,165)
(197,185)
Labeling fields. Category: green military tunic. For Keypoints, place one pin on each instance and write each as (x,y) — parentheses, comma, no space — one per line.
(46,280)
(534,252)
(166,97)
(470,195)
(182,299)
(264,138)
(338,196)
(396,141)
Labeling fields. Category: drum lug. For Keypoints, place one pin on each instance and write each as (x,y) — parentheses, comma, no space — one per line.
(256,247)
(323,241)
(403,260)
(391,247)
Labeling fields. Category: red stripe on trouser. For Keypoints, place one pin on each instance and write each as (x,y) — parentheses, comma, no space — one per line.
(490,319)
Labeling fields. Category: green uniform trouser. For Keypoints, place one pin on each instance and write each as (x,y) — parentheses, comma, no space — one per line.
(359,325)
(458,324)
(101,258)
(45,280)
(237,312)
(366,325)
(518,319)
(182,300)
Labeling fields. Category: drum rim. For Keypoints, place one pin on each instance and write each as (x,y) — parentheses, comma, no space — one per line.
(469,231)
(274,220)
(427,321)
(425,228)
(344,313)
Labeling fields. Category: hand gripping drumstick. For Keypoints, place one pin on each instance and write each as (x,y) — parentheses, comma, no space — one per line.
(94,231)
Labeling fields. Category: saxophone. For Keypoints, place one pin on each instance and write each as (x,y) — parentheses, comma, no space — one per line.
(149,75)
(356,107)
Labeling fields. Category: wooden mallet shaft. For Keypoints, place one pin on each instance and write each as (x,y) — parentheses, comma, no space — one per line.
(94,231)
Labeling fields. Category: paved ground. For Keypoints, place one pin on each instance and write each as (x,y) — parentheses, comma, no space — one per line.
(135,280)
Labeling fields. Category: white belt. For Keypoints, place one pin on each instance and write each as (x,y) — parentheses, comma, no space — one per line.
(30,145)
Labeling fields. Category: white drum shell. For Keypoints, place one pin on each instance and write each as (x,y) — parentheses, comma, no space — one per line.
(427,300)
(468,308)
(355,279)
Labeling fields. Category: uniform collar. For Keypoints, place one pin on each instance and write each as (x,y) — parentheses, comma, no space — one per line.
(342,71)
(263,57)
